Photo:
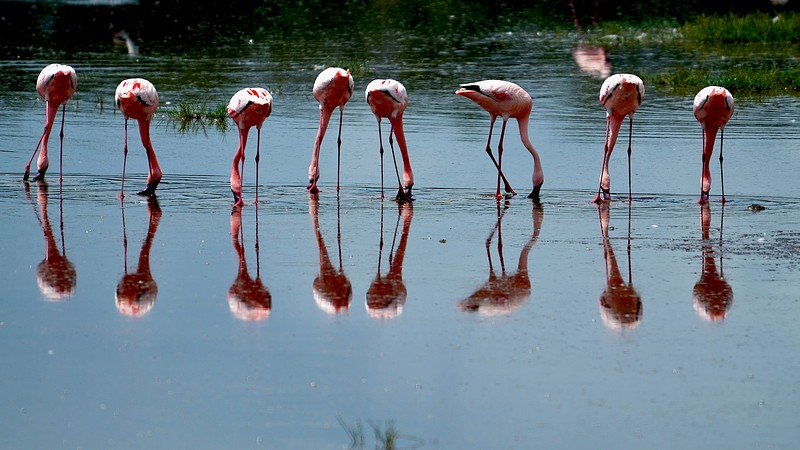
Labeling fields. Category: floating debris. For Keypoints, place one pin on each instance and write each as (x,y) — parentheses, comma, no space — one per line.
(755,207)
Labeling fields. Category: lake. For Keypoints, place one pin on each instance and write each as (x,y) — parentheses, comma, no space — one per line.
(452,322)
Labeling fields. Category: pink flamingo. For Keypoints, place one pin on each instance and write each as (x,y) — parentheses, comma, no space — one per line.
(56,84)
(332,89)
(713,107)
(137,99)
(388,99)
(621,95)
(248,108)
(504,99)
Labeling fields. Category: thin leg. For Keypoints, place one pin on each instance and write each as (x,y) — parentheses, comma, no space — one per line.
(721,173)
(258,158)
(28,167)
(61,149)
(606,193)
(124,161)
(380,143)
(489,152)
(394,159)
(339,150)
(500,159)
(630,138)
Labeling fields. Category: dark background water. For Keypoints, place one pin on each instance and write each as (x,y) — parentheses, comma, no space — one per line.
(692,343)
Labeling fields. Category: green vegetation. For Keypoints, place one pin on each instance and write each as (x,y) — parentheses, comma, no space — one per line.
(195,116)
(749,28)
(386,437)
(741,81)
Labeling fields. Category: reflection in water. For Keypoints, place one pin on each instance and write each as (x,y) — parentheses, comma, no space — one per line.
(387,293)
(137,292)
(55,275)
(332,290)
(248,299)
(620,304)
(712,295)
(505,293)
(593,61)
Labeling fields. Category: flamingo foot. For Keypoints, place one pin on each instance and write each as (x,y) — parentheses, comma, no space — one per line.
(312,186)
(723,201)
(606,195)
(39,174)
(237,199)
(404,195)
(150,190)
(534,195)
(703,198)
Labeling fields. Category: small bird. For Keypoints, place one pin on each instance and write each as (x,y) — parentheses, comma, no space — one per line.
(137,99)
(621,95)
(332,89)
(713,107)
(56,84)
(505,99)
(248,108)
(388,99)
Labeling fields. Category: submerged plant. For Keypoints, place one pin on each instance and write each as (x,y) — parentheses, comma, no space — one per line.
(195,117)
(386,437)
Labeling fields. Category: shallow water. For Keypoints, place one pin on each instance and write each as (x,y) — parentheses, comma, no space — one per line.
(639,333)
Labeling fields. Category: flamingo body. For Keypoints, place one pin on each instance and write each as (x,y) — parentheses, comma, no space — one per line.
(56,84)
(248,108)
(621,95)
(137,98)
(713,107)
(332,89)
(507,100)
(388,99)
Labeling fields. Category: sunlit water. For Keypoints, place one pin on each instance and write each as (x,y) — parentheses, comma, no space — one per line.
(179,324)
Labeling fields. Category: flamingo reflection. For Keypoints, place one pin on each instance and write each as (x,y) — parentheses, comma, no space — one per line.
(620,304)
(55,275)
(136,292)
(504,293)
(593,61)
(386,295)
(712,295)
(331,288)
(248,299)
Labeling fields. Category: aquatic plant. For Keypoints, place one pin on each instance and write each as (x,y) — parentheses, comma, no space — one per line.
(195,116)
(749,28)
(741,81)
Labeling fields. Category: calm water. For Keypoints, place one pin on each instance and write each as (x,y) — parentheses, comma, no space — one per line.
(179,324)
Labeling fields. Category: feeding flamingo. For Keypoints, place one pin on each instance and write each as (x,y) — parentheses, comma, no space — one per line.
(332,89)
(713,107)
(621,95)
(248,108)
(388,99)
(137,99)
(56,84)
(505,99)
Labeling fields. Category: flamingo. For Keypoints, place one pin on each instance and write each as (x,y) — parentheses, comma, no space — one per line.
(332,289)
(505,99)
(332,89)
(137,292)
(56,84)
(621,95)
(620,303)
(386,295)
(388,99)
(137,99)
(248,108)
(248,298)
(713,107)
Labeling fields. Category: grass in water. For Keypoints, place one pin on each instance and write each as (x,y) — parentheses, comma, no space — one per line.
(195,117)
(744,29)
(741,81)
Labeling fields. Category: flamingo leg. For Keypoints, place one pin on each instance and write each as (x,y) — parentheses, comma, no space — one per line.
(630,138)
(721,174)
(28,167)
(124,162)
(706,157)
(400,193)
(61,148)
(497,166)
(380,143)
(258,158)
(498,195)
(339,149)
(604,168)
